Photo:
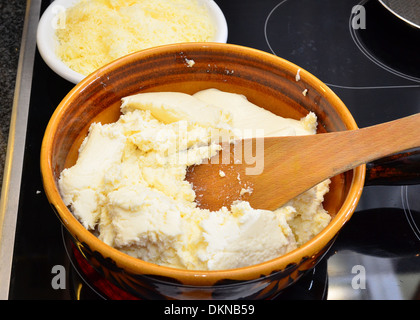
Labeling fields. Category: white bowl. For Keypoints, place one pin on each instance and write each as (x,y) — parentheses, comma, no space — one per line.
(46,39)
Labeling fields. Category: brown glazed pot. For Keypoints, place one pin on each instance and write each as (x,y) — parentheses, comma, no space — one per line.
(265,80)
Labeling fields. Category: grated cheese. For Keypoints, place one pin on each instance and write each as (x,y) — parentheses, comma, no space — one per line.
(99,31)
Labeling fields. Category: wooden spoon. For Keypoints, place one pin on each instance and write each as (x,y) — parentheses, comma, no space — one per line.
(292,165)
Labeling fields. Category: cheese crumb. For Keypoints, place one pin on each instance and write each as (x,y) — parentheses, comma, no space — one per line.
(247,190)
(297,75)
(190,62)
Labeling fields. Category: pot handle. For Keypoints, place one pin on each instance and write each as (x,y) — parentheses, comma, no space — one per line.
(398,169)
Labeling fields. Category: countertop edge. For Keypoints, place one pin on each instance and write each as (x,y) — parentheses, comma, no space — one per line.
(16,145)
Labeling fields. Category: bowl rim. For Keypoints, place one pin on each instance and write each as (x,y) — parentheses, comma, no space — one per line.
(45,35)
(198,277)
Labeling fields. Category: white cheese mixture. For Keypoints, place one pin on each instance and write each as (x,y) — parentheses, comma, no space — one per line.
(128,184)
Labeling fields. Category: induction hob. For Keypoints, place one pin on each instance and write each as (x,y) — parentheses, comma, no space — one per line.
(368,56)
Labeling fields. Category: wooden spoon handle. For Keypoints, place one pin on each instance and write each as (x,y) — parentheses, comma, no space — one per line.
(326,155)
(356,147)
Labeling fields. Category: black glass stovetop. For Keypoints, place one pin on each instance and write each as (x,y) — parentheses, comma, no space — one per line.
(375,71)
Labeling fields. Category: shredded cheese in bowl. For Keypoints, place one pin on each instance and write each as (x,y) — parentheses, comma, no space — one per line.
(99,31)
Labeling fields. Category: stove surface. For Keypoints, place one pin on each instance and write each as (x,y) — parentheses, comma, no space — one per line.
(376,256)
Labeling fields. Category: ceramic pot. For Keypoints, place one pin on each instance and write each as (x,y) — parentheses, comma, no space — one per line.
(266,80)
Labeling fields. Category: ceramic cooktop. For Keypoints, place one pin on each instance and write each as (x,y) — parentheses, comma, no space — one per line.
(365,53)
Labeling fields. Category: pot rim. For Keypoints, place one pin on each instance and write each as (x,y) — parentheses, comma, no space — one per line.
(194,277)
